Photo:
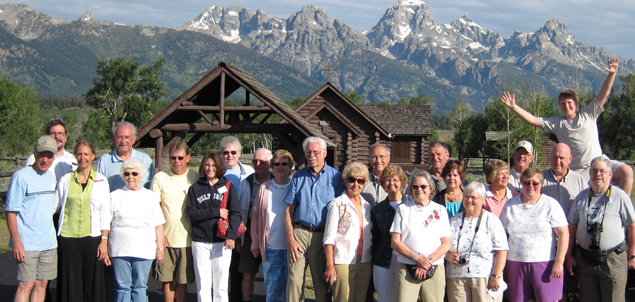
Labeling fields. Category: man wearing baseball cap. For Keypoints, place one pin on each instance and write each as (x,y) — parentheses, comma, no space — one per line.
(522,156)
(29,206)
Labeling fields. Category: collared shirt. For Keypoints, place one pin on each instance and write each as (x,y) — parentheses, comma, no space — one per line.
(60,166)
(173,191)
(311,195)
(373,192)
(495,206)
(345,226)
(31,196)
(438,182)
(564,190)
(617,214)
(514,181)
(110,165)
(77,207)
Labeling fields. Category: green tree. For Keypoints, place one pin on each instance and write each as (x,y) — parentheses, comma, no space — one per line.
(19,125)
(123,90)
(617,124)
(355,98)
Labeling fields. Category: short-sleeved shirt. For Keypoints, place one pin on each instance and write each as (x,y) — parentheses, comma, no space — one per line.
(60,166)
(564,190)
(619,213)
(277,239)
(173,191)
(421,228)
(530,228)
(373,192)
(489,238)
(514,181)
(135,215)
(438,182)
(311,195)
(580,134)
(31,197)
(110,163)
(495,206)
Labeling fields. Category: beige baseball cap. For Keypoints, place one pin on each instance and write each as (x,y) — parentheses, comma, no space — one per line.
(525,145)
(45,143)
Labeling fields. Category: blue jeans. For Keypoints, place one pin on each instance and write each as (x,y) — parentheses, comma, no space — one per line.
(275,271)
(131,278)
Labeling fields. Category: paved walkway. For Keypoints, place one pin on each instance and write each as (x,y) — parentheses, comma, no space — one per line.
(8,284)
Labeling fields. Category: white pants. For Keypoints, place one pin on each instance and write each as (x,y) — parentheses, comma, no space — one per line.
(211,266)
(384,280)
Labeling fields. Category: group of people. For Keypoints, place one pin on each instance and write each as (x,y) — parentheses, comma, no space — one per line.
(527,235)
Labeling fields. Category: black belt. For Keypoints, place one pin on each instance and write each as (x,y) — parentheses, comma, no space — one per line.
(302,225)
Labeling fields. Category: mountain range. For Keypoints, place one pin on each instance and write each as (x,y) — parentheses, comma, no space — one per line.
(404,55)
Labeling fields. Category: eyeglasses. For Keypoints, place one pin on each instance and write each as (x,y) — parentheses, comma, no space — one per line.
(127,174)
(283,164)
(174,158)
(360,181)
(234,152)
(422,187)
(531,183)
(602,172)
(315,153)
(377,157)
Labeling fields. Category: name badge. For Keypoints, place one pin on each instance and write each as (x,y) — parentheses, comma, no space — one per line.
(222,190)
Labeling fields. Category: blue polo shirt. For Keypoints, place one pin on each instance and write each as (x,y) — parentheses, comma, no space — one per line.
(311,195)
(31,197)
(110,163)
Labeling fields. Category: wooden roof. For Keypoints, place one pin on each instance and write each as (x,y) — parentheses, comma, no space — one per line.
(411,120)
(204,98)
(334,110)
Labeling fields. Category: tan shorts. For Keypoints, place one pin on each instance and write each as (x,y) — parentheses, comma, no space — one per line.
(178,266)
(38,265)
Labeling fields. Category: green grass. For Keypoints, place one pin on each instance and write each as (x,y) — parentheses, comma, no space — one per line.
(4,233)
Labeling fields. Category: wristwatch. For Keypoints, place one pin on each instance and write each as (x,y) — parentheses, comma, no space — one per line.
(631,256)
(497,276)
(160,249)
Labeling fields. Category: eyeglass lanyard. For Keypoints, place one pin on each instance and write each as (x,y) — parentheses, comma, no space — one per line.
(588,214)
(478,225)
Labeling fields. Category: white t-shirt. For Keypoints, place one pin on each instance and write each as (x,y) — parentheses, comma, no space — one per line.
(490,237)
(135,214)
(580,134)
(277,238)
(421,228)
(530,228)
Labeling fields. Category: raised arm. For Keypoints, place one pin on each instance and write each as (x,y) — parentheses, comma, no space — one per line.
(510,101)
(602,97)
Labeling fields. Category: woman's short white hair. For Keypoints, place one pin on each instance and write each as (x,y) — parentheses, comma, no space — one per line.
(475,187)
(133,163)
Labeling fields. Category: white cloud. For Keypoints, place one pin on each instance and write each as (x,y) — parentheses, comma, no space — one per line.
(607,23)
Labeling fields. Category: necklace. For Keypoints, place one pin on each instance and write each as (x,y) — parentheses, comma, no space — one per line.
(447,197)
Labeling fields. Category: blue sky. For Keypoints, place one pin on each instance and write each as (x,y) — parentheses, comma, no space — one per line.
(608,23)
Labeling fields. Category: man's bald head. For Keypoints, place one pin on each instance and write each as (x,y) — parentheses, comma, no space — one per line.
(560,159)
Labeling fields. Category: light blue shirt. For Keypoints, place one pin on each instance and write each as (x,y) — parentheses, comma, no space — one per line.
(110,163)
(311,195)
(31,196)
(233,175)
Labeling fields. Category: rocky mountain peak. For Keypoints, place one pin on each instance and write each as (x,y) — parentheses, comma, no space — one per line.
(24,22)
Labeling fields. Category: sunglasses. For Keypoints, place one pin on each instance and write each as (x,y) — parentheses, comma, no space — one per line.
(531,183)
(360,181)
(174,158)
(126,174)
(257,162)
(232,152)
(283,164)
(422,187)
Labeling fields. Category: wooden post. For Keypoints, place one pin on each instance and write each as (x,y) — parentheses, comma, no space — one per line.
(158,155)
(222,98)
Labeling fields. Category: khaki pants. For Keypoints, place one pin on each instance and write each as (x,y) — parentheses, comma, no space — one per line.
(352,281)
(470,290)
(409,288)
(311,244)
(605,282)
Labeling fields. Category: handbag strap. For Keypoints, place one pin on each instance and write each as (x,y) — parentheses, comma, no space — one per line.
(223,203)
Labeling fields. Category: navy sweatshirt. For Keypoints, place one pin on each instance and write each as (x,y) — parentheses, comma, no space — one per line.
(203,207)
